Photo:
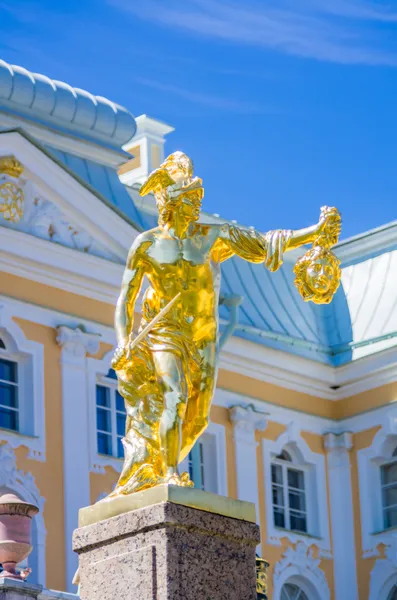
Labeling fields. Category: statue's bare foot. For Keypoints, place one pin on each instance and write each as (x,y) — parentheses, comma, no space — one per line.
(182,480)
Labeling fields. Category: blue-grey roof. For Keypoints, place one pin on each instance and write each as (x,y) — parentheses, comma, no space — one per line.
(361,319)
(102,179)
(57,105)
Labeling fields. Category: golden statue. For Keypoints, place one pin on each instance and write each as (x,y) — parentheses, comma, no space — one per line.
(167,375)
(11,194)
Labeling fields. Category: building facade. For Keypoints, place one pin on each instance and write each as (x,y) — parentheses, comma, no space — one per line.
(304,418)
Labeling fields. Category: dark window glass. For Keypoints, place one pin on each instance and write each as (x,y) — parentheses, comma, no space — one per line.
(295,479)
(8,395)
(120,405)
(278,495)
(102,396)
(111,374)
(8,370)
(277,474)
(103,421)
(296,500)
(298,521)
(8,419)
(279,518)
(104,443)
(390,517)
(120,448)
(120,424)
(2,344)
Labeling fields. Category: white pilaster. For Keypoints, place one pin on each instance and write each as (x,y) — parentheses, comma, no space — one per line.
(342,519)
(75,343)
(246,421)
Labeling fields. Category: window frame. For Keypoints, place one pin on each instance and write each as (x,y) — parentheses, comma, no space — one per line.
(110,384)
(9,357)
(386,463)
(285,466)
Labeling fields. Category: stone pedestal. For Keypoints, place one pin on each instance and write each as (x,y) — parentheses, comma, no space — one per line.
(13,589)
(167,543)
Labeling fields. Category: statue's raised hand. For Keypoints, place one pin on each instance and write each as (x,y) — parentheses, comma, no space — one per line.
(329,227)
(120,358)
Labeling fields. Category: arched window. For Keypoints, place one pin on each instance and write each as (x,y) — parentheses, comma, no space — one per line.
(9,401)
(388,474)
(290,591)
(393,593)
(110,416)
(288,493)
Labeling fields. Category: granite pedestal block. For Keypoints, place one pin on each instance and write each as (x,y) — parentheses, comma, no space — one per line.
(168,550)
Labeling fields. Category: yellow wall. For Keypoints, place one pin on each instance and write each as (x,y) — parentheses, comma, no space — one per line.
(49,474)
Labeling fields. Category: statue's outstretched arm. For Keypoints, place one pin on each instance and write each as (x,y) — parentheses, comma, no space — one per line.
(269,248)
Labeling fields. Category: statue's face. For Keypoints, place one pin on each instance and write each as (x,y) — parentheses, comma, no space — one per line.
(180,169)
(319,276)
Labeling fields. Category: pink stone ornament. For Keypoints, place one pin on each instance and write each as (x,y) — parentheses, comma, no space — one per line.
(15,534)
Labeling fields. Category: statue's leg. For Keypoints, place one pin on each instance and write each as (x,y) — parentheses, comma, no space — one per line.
(199,403)
(171,378)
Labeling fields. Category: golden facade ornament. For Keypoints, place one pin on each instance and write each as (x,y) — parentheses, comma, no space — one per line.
(167,376)
(11,194)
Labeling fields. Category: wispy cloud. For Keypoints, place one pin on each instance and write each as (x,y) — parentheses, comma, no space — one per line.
(329,30)
(213,101)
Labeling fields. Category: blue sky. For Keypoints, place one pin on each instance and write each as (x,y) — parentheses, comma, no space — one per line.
(283,105)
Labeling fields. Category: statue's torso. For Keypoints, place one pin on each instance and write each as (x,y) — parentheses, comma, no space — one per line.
(183,265)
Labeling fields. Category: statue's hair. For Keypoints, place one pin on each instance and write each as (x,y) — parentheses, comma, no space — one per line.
(165,204)
(300,270)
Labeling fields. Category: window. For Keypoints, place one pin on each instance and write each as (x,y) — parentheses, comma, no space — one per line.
(290,591)
(196,465)
(9,410)
(393,593)
(388,473)
(202,464)
(288,493)
(110,417)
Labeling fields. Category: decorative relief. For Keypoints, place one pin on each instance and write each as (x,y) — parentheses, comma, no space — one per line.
(301,558)
(25,209)
(19,481)
(77,342)
(11,193)
(246,420)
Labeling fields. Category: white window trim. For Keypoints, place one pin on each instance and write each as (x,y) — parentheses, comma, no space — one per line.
(315,487)
(29,356)
(370,461)
(305,469)
(97,369)
(111,384)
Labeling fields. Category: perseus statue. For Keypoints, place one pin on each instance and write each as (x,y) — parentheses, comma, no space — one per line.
(167,374)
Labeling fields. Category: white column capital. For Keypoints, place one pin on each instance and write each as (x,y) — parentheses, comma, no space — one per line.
(334,442)
(76,342)
(246,420)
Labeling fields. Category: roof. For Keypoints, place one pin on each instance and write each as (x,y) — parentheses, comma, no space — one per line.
(66,109)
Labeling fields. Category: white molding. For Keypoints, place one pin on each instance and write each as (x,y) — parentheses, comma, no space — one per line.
(369,464)
(24,485)
(30,357)
(75,424)
(77,203)
(384,573)
(316,491)
(338,447)
(218,431)
(77,342)
(246,420)
(298,566)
